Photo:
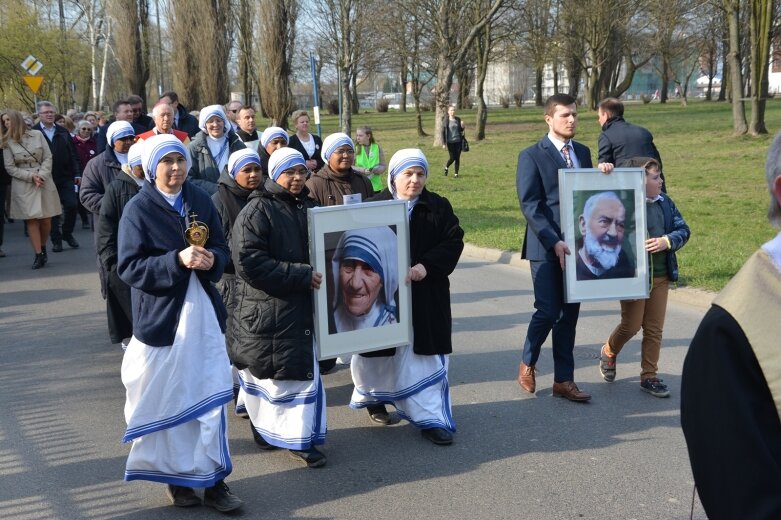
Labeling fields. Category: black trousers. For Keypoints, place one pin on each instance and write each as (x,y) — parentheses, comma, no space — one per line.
(454,149)
(62,225)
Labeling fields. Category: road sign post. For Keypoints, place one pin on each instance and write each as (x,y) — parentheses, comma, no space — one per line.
(32,67)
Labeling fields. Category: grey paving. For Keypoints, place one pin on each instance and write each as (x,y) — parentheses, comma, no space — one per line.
(516,455)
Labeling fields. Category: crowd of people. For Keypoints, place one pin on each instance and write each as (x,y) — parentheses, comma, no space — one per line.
(201,234)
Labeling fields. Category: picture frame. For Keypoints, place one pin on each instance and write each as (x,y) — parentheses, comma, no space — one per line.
(355,246)
(608,260)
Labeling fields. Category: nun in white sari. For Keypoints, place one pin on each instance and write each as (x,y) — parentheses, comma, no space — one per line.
(413,378)
(175,369)
(273,345)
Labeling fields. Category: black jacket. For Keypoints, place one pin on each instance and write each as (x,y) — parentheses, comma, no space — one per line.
(143,122)
(204,172)
(117,293)
(445,123)
(436,241)
(621,141)
(273,323)
(65,160)
(296,144)
(117,195)
(99,173)
(187,122)
(229,200)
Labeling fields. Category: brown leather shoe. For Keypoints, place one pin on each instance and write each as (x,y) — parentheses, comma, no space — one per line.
(526,378)
(569,390)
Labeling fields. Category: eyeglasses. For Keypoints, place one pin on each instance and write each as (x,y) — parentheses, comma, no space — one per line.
(86,130)
(296,171)
(345,152)
(127,138)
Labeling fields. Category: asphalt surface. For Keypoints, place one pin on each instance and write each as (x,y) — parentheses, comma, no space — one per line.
(516,455)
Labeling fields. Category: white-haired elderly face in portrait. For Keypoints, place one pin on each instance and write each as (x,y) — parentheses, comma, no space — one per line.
(365,272)
(602,226)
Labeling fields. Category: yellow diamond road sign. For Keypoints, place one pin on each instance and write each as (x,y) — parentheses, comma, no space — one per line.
(31,65)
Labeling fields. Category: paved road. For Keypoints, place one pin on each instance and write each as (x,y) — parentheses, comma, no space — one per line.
(515,456)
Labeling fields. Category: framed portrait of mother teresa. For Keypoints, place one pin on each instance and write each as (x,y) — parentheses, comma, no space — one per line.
(363,303)
(604,224)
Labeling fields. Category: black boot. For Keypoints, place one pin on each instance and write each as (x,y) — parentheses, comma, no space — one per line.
(45,256)
(39,261)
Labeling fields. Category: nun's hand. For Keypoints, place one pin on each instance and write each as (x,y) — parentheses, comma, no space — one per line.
(416,273)
(196,257)
(317,279)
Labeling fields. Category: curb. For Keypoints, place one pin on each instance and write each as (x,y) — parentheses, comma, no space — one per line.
(684,295)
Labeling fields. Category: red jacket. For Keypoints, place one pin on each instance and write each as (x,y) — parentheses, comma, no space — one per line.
(182,136)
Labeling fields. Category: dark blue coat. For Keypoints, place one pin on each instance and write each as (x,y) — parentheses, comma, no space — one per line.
(677,231)
(537,182)
(151,235)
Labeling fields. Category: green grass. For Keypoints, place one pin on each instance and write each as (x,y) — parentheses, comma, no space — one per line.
(717,180)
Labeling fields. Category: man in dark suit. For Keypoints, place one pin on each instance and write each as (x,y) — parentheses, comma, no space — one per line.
(66,174)
(123,111)
(537,182)
(621,141)
(141,121)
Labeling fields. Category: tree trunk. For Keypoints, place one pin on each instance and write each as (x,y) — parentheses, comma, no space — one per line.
(538,70)
(102,90)
(482,54)
(724,70)
(665,80)
(445,71)
(760,29)
(277,45)
(347,104)
(403,82)
(736,78)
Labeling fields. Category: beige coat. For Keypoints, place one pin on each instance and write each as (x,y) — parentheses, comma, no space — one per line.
(27,200)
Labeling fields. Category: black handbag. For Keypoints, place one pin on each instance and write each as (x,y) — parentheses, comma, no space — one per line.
(464,144)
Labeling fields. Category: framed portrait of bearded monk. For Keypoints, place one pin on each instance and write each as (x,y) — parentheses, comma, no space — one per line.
(604,224)
(363,304)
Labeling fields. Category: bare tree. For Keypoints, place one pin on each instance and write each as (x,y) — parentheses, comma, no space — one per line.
(201,34)
(93,12)
(277,34)
(491,43)
(341,25)
(710,44)
(452,41)
(536,16)
(245,20)
(601,38)
(131,35)
(213,44)
(760,28)
(732,8)
(182,20)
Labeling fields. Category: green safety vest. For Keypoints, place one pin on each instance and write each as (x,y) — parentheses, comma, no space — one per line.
(370,160)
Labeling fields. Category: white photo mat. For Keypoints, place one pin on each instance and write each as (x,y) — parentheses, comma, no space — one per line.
(575,184)
(330,221)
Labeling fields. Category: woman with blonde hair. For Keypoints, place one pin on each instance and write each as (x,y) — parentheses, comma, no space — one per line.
(310,145)
(369,158)
(34,198)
